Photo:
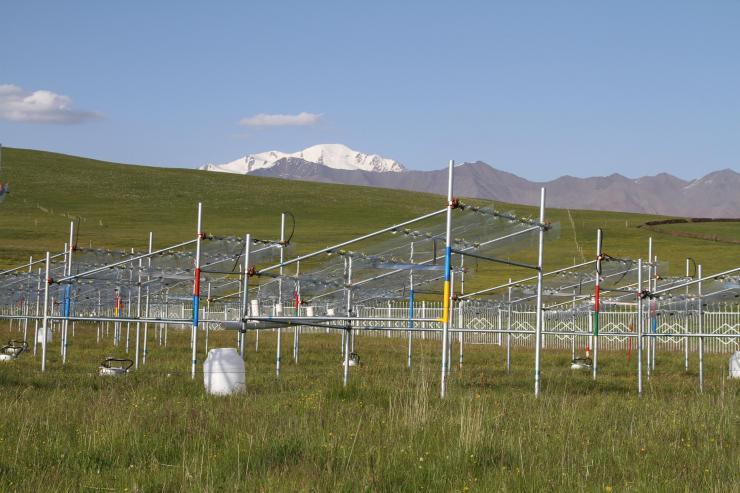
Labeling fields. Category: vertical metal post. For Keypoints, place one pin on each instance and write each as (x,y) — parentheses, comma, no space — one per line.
(297,309)
(245,293)
(99,332)
(146,326)
(27,297)
(348,336)
(538,326)
(597,293)
(138,315)
(63,307)
(460,334)
(451,321)
(390,315)
(655,313)
(128,315)
(447,287)
(640,322)
(411,306)
(460,340)
(700,293)
(424,315)
(280,294)
(462,274)
(573,337)
(508,333)
(38,308)
(650,288)
(117,314)
(196,292)
(44,326)
(208,315)
(146,303)
(68,291)
(686,324)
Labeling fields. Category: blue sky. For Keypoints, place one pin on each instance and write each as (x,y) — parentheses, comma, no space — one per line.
(540,89)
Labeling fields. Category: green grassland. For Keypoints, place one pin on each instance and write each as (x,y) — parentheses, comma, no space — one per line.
(156,430)
(712,231)
(119,204)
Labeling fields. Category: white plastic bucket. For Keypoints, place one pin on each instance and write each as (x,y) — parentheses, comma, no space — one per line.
(278,308)
(309,311)
(111,372)
(330,312)
(40,336)
(735,365)
(223,372)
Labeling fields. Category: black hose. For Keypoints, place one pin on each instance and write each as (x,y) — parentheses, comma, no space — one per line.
(107,363)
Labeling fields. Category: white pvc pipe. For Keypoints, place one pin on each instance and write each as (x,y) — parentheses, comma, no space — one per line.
(448,271)
(278,348)
(701,330)
(640,322)
(45,328)
(538,325)
(245,291)
(196,293)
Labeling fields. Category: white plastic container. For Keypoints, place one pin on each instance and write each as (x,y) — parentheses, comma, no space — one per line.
(223,372)
(111,372)
(255,308)
(330,312)
(735,365)
(40,336)
(278,309)
(309,311)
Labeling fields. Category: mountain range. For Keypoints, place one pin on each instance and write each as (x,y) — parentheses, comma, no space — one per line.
(714,195)
(335,156)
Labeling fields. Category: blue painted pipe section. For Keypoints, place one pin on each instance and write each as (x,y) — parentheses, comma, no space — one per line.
(411,308)
(67,299)
(196,309)
(448,262)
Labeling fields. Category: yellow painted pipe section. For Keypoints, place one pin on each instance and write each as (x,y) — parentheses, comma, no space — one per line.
(446,303)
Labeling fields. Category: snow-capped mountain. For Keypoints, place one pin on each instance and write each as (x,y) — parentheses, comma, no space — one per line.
(336,156)
(714,195)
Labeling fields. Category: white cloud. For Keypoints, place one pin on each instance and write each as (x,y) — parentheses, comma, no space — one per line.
(267,120)
(19,105)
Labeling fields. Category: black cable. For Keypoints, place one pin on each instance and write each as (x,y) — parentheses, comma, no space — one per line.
(124,361)
(292,231)
(629,262)
(285,243)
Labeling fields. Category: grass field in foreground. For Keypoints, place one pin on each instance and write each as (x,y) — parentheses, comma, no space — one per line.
(119,204)
(156,430)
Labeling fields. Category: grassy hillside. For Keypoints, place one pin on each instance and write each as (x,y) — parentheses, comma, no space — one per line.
(119,204)
(724,232)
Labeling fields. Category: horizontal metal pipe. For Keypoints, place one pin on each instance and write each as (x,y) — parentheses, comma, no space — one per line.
(695,281)
(532,278)
(29,264)
(116,264)
(354,319)
(494,259)
(354,240)
(394,329)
